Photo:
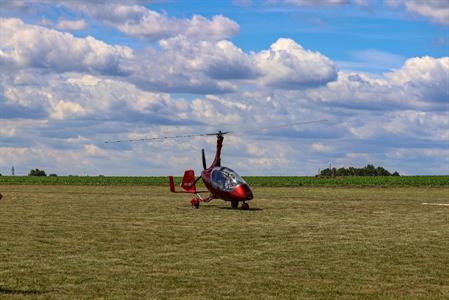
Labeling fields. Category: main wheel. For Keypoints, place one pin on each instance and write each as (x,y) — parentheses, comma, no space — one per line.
(234,204)
(245,206)
(195,203)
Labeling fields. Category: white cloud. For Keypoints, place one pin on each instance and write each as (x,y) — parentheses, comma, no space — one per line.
(138,20)
(288,65)
(218,60)
(71,25)
(421,83)
(66,110)
(426,78)
(30,46)
(436,10)
(61,96)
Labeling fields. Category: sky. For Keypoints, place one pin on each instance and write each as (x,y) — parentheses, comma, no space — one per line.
(74,74)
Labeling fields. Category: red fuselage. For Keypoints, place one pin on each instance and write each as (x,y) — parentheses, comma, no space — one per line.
(223,182)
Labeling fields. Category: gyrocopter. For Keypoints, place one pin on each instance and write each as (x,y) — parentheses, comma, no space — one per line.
(220,182)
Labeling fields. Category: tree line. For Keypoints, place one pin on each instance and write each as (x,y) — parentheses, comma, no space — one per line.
(368,170)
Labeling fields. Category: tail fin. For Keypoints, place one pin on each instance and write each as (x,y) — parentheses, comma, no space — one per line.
(172,184)
(188,181)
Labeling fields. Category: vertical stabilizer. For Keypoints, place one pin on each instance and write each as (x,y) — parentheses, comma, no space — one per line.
(188,181)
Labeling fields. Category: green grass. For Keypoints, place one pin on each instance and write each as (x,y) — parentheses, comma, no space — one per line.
(119,242)
(273,181)
(291,181)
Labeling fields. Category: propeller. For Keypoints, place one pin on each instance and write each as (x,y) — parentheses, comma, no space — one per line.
(218,133)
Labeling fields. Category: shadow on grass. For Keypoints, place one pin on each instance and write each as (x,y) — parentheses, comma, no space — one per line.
(239,209)
(6,291)
(206,206)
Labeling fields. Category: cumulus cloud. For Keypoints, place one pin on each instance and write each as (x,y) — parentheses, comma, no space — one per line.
(180,65)
(426,78)
(214,66)
(31,46)
(203,67)
(138,20)
(421,83)
(61,96)
(74,96)
(288,65)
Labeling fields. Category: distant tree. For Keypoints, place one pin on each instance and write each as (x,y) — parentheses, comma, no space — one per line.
(380,171)
(342,172)
(37,172)
(326,172)
(351,171)
(368,170)
(53,175)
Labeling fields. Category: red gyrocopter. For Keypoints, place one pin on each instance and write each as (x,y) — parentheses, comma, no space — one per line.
(221,182)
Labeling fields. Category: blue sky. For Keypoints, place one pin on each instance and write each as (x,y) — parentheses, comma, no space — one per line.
(74,74)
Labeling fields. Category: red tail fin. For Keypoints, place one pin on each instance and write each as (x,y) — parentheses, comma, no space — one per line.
(188,181)
(172,184)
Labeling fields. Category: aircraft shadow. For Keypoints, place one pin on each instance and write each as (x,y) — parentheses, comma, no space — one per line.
(239,209)
(222,207)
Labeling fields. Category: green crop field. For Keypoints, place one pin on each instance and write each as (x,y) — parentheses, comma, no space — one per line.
(141,242)
(271,181)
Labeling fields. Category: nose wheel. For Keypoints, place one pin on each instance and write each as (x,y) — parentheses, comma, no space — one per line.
(195,203)
(245,206)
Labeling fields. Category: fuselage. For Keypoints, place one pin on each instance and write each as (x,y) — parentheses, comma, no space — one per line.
(223,182)
(226,184)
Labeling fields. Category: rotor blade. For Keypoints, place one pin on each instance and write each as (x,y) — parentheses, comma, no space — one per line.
(219,133)
(157,138)
(168,137)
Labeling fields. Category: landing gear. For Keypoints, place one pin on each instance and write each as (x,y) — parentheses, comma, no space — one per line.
(195,203)
(234,204)
(245,206)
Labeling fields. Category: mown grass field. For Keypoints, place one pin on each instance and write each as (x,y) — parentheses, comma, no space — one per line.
(270,181)
(141,242)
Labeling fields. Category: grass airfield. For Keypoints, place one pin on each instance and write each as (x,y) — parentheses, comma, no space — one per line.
(123,242)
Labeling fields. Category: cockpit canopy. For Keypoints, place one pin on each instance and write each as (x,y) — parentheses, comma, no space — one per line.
(225,179)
